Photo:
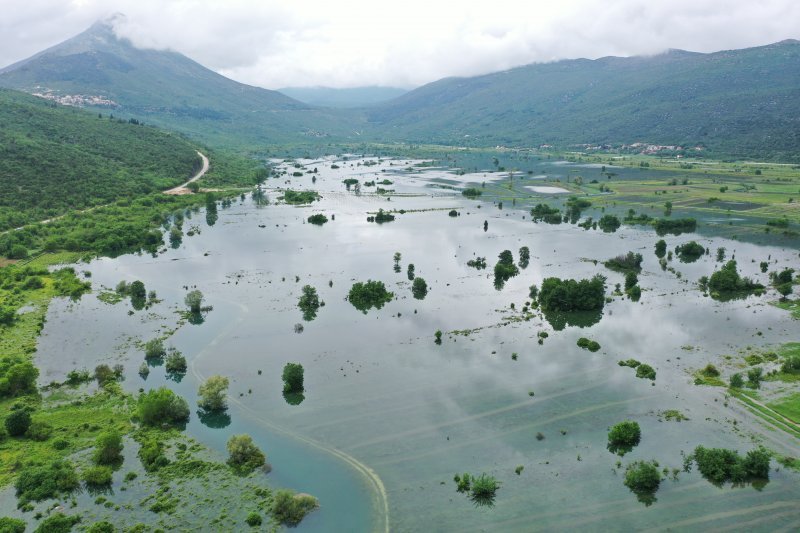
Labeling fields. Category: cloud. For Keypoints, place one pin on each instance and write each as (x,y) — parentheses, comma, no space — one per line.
(363,42)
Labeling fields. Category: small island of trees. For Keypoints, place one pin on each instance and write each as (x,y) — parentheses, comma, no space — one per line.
(366,295)
(556,294)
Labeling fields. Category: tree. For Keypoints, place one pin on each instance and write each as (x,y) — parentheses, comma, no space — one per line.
(213,394)
(12,525)
(97,476)
(293,378)
(642,477)
(17,376)
(631,279)
(194,301)
(419,288)
(737,381)
(369,294)
(154,349)
(18,422)
(524,257)
(290,508)
(309,302)
(505,268)
(175,362)
(137,290)
(108,448)
(243,454)
(162,407)
(41,482)
(622,437)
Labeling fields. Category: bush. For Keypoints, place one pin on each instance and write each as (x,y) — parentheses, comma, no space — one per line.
(39,430)
(570,295)
(309,302)
(690,252)
(609,223)
(289,508)
(366,295)
(108,448)
(710,371)
(194,301)
(719,465)
(419,288)
(253,520)
(41,482)
(213,394)
(317,219)
(737,381)
(97,476)
(293,378)
(483,490)
(471,192)
(58,523)
(162,407)
(587,344)
(624,263)
(154,349)
(727,280)
(175,362)
(622,437)
(17,376)
(106,527)
(505,268)
(244,455)
(152,455)
(645,371)
(642,477)
(11,525)
(18,422)
(661,248)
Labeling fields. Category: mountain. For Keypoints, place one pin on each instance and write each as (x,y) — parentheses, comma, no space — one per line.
(98,69)
(54,159)
(742,103)
(350,97)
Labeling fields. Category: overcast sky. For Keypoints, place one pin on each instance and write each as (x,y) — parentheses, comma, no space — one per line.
(404,43)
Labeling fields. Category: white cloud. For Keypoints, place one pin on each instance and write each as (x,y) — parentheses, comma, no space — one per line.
(318,42)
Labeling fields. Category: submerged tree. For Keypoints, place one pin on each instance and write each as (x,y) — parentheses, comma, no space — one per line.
(309,303)
(243,455)
(213,394)
(194,301)
(293,378)
(419,288)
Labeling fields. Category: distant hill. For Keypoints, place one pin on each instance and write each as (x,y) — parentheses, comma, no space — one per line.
(54,159)
(98,69)
(350,97)
(742,102)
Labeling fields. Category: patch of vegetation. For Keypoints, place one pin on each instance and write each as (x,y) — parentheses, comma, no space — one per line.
(673,415)
(690,251)
(570,295)
(293,378)
(505,268)
(366,295)
(471,192)
(482,489)
(622,437)
(419,288)
(243,455)
(317,219)
(643,479)
(726,282)
(545,213)
(719,465)
(609,223)
(381,217)
(290,508)
(162,408)
(674,226)
(299,197)
(587,344)
(629,262)
(309,302)
(478,263)
(41,482)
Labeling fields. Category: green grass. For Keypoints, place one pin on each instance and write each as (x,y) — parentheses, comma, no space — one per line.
(793,306)
(765,414)
(788,407)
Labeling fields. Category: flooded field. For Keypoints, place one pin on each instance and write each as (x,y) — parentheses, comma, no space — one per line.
(389,416)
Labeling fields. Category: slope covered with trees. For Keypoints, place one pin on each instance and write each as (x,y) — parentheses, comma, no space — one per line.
(54,159)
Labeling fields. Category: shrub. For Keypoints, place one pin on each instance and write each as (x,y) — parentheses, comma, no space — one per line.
(106,527)
(645,371)
(97,476)
(661,248)
(162,407)
(152,455)
(253,520)
(419,288)
(505,268)
(175,362)
(39,430)
(41,482)
(483,490)
(622,437)
(108,448)
(58,523)
(194,301)
(366,295)
(690,252)
(471,192)
(624,263)
(631,279)
(293,378)
(727,280)
(213,394)
(587,344)
(12,525)
(570,295)
(719,465)
(289,508)
(18,422)
(309,302)
(17,376)
(737,381)
(154,349)
(642,477)
(317,219)
(243,454)
(609,223)
(710,371)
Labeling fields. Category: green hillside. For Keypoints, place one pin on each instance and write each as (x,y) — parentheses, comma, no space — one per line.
(171,90)
(742,103)
(54,159)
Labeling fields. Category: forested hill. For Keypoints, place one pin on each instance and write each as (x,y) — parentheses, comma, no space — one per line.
(98,69)
(743,103)
(54,159)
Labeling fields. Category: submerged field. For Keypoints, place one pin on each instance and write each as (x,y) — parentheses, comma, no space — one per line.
(389,416)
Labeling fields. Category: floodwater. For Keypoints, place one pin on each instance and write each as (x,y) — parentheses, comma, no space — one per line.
(389,417)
